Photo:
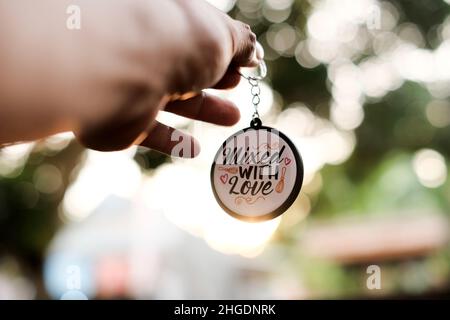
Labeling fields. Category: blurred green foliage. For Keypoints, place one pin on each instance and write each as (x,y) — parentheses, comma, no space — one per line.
(378,178)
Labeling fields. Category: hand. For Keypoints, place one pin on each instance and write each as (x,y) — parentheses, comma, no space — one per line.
(107,81)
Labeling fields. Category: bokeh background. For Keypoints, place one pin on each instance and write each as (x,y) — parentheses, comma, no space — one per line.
(361,86)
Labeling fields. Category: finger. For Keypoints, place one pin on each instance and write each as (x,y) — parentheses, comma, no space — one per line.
(232,77)
(206,107)
(259,50)
(171,141)
(244,45)
(229,80)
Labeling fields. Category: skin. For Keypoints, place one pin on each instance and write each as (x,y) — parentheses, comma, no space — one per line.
(107,81)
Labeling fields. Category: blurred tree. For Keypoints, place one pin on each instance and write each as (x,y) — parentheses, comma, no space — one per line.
(28,216)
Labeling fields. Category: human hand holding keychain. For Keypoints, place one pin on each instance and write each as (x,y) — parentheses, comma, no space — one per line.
(131,59)
(107,81)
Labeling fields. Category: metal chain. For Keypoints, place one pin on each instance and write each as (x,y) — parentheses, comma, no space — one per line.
(255,91)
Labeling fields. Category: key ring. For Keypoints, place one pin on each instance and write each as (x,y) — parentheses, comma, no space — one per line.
(261,72)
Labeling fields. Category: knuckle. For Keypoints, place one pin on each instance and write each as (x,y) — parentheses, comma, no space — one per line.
(246,41)
(248,50)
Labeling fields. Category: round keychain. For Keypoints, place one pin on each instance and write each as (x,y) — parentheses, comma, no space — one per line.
(257,172)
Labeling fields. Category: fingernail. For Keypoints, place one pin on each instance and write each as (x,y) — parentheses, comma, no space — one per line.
(255,60)
(259,51)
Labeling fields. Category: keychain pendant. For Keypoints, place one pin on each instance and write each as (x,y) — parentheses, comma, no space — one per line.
(257,173)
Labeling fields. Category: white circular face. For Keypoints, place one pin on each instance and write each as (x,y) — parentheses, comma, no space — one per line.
(257,174)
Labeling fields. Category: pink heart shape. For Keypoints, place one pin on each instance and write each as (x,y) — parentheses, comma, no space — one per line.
(287,161)
(224,178)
